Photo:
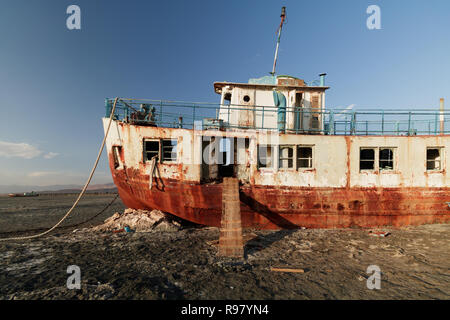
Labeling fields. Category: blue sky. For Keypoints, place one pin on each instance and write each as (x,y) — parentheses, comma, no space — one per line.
(53,81)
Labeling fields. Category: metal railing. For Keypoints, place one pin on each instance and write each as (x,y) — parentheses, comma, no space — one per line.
(178,114)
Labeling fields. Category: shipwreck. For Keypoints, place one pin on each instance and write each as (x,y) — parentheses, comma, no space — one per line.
(299,163)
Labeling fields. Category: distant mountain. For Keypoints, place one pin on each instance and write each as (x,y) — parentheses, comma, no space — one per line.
(101,186)
(69,188)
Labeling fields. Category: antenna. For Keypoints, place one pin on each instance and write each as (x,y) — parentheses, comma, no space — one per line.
(283,17)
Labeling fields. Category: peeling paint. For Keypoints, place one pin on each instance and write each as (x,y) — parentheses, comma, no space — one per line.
(333,194)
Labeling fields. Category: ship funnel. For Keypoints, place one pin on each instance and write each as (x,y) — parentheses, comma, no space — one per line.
(322,79)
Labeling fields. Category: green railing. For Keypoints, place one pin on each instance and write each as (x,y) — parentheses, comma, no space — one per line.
(178,114)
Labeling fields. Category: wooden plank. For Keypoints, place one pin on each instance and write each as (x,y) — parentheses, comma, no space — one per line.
(287,270)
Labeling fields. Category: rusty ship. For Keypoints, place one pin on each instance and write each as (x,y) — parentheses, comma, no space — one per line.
(298,162)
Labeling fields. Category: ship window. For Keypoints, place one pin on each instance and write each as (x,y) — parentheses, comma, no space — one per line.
(367,159)
(304,157)
(386,156)
(265,156)
(434,159)
(169,150)
(151,149)
(246,98)
(315,102)
(286,157)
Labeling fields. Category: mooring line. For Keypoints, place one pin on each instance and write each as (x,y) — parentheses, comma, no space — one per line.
(82,191)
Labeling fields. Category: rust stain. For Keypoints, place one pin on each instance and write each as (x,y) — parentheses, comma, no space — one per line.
(348,144)
(272,207)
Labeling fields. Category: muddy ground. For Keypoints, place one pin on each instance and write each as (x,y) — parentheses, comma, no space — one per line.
(415,261)
(25,213)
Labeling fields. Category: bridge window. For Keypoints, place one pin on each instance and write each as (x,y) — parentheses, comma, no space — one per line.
(265,156)
(304,157)
(386,158)
(169,150)
(366,159)
(151,149)
(286,157)
(434,159)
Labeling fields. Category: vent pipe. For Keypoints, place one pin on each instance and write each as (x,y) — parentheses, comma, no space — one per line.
(322,79)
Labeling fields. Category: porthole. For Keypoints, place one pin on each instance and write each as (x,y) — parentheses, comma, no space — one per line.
(246,98)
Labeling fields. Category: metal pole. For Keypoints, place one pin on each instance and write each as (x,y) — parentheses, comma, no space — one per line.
(193,113)
(441,117)
(331,122)
(283,16)
(160,113)
(409,123)
(435,123)
(262,119)
(353,124)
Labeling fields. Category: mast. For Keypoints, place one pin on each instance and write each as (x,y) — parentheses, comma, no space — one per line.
(283,17)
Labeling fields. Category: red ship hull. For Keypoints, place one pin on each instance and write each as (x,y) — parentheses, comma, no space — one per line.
(276,207)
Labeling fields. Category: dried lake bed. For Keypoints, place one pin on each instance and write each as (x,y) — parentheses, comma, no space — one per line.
(414,261)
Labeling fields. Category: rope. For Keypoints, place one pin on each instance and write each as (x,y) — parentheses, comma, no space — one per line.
(82,191)
(152,171)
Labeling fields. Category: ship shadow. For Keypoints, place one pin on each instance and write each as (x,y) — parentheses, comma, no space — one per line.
(263,241)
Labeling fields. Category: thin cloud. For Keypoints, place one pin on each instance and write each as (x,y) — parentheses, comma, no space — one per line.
(22,150)
(342,113)
(19,150)
(66,174)
(51,155)
(43,173)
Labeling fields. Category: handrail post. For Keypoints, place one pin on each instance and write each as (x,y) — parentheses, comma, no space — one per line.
(435,123)
(107,107)
(262,119)
(229,110)
(353,124)
(409,123)
(442,116)
(160,113)
(193,113)
(382,122)
(345,125)
(331,123)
